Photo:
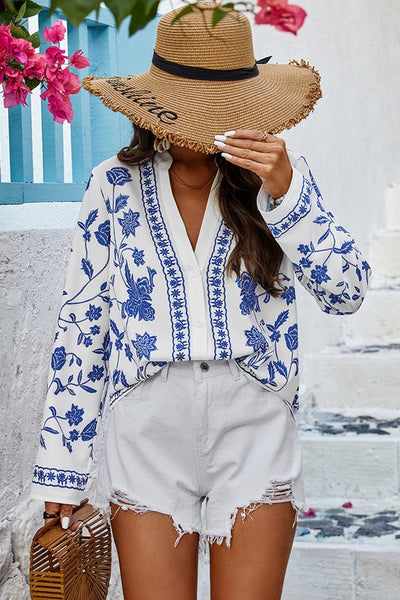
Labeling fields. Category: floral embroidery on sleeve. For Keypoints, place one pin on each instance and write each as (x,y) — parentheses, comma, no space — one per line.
(79,361)
(325,257)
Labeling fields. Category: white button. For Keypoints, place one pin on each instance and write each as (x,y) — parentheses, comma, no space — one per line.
(199,323)
(194,273)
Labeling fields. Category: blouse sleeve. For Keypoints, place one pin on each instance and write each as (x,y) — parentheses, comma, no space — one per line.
(326,259)
(78,370)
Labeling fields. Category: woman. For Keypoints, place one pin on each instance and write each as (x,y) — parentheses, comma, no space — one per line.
(179,311)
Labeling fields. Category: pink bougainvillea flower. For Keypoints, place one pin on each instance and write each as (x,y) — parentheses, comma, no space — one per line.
(280,14)
(5,30)
(21,50)
(61,83)
(62,80)
(78,61)
(60,107)
(14,92)
(309,513)
(13,76)
(11,47)
(5,40)
(35,67)
(347,505)
(49,68)
(55,79)
(55,56)
(56,32)
(71,82)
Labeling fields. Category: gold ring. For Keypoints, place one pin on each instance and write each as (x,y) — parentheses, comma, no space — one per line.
(264,137)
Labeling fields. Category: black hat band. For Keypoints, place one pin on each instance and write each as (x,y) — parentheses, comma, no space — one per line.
(189,72)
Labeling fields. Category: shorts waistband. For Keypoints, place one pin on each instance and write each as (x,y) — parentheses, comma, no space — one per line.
(201,369)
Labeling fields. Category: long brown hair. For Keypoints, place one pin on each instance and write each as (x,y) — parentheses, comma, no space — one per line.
(237,194)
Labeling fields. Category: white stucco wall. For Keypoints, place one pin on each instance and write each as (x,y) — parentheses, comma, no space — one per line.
(351,142)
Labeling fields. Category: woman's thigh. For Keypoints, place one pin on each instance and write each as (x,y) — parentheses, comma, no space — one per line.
(254,567)
(151,567)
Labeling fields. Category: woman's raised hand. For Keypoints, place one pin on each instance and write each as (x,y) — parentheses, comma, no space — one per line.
(65,511)
(268,159)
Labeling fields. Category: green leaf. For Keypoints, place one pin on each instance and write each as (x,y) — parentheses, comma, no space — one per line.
(32,9)
(217,16)
(6,17)
(21,13)
(143,12)
(183,12)
(16,65)
(11,6)
(19,32)
(120,9)
(75,10)
(32,83)
(152,7)
(34,39)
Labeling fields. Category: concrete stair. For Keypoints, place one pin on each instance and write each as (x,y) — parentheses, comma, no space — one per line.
(338,571)
(359,468)
(349,426)
(355,381)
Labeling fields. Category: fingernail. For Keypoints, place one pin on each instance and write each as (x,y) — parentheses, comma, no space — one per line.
(65,522)
(226,155)
(219,144)
(220,137)
(229,132)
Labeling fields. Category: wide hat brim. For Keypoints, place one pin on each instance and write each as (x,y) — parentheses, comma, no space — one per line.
(190,112)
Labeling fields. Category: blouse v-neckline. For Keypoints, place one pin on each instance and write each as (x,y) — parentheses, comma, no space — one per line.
(198,256)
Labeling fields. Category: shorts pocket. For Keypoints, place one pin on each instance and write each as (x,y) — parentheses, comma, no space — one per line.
(138,394)
(257,387)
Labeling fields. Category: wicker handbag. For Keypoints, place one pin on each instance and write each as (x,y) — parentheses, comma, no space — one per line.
(74,566)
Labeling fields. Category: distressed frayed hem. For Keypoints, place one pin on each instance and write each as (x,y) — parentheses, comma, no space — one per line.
(277,492)
(123,501)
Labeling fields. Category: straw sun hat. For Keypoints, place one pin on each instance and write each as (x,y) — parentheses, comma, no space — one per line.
(205,80)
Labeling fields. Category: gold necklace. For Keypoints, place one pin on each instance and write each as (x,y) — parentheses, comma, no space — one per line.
(193,187)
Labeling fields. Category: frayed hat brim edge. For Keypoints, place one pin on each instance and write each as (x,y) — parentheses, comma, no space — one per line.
(313,95)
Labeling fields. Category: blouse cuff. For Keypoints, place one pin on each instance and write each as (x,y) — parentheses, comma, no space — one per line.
(264,201)
(46,494)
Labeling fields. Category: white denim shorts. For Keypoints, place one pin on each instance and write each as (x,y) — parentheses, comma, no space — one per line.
(198,441)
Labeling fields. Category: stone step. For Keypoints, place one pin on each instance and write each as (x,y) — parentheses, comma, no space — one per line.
(340,571)
(364,468)
(384,256)
(353,382)
(377,322)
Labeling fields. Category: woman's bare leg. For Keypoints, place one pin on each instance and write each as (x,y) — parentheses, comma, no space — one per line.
(254,567)
(151,567)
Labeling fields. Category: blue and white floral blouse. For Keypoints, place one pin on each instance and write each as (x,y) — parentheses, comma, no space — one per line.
(136,295)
